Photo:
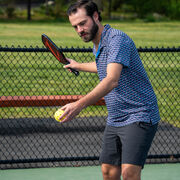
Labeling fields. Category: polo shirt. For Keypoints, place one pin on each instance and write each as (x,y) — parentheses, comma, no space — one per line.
(133,99)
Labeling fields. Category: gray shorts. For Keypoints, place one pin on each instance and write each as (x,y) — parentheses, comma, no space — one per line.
(128,144)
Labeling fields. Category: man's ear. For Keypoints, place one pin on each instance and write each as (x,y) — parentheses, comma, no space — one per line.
(96,16)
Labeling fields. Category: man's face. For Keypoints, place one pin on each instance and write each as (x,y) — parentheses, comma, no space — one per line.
(84,25)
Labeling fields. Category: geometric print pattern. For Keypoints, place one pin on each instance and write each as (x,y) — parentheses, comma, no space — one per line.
(133,99)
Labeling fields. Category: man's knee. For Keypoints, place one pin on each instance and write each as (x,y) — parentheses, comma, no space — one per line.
(131,172)
(111,172)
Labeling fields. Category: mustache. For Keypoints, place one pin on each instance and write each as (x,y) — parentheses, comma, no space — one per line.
(83,33)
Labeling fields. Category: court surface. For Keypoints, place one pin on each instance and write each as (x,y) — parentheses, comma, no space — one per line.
(150,172)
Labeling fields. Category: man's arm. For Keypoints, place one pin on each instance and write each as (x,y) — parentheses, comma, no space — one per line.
(102,89)
(87,67)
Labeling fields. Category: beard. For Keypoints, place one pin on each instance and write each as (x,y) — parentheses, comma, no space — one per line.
(90,35)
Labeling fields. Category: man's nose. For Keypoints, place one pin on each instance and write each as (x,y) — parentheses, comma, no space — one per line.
(79,29)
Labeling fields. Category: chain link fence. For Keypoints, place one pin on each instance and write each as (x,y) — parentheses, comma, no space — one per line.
(33,84)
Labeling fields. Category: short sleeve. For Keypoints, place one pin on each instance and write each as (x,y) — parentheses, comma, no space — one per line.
(119,50)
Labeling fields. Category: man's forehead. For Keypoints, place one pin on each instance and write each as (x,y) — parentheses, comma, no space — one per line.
(78,16)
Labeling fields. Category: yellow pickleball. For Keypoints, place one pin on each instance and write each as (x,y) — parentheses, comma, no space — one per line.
(57,114)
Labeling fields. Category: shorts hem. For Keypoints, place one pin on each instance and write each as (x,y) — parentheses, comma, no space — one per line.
(119,163)
(115,163)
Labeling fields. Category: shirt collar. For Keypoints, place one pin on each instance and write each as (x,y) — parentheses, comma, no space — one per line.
(106,28)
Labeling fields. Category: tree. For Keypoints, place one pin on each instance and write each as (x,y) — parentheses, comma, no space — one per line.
(59,4)
(10,9)
(29,10)
(169,8)
(100,4)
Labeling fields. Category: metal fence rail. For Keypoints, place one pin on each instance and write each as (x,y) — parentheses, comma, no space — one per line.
(32,86)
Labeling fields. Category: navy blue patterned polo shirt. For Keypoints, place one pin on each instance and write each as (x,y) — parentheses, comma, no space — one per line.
(133,99)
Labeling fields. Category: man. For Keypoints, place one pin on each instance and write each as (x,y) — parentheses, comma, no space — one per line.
(131,103)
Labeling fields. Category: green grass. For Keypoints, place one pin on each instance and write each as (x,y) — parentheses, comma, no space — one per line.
(163,71)
(144,34)
(40,74)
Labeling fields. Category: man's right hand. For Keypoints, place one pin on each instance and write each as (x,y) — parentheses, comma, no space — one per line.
(86,67)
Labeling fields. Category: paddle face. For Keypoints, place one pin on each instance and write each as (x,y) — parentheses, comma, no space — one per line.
(51,46)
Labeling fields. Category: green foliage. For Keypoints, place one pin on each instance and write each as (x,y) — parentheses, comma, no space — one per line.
(174,9)
(10,8)
(58,8)
(144,8)
(10,11)
(1,11)
(129,9)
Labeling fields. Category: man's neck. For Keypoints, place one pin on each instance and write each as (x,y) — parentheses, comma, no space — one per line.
(97,39)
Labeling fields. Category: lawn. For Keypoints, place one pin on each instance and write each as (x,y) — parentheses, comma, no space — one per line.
(40,74)
(144,34)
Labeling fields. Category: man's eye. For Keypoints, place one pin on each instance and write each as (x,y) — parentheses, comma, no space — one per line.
(82,23)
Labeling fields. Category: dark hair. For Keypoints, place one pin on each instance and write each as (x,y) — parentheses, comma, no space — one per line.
(88,5)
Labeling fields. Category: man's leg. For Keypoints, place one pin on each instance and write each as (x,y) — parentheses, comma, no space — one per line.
(135,146)
(110,157)
(111,172)
(131,172)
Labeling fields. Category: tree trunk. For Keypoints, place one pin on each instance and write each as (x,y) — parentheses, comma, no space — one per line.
(29,10)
